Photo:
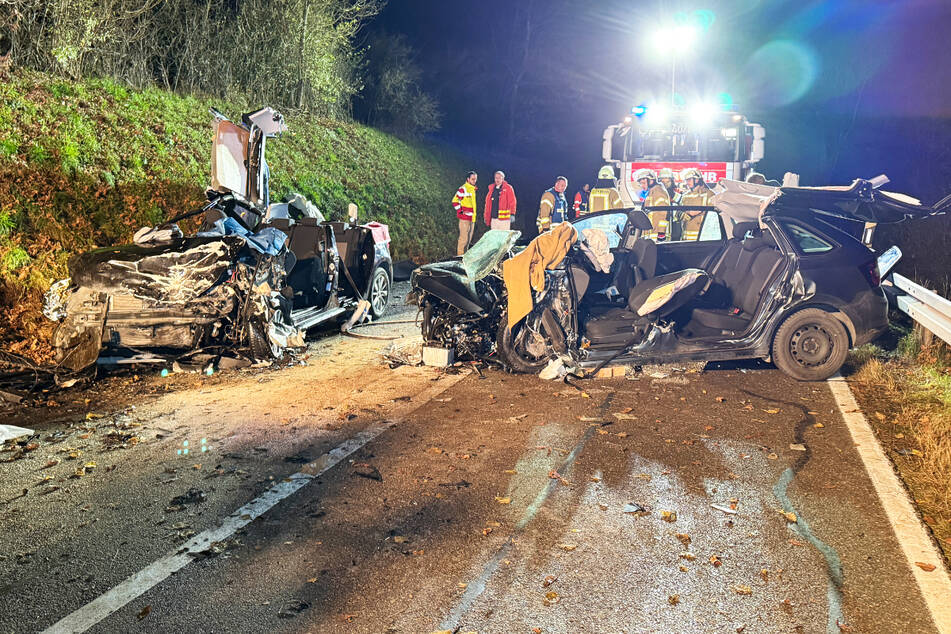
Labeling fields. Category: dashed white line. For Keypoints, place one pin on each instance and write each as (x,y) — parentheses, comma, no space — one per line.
(935,585)
(158,571)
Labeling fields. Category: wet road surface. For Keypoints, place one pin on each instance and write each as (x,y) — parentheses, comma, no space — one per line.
(723,501)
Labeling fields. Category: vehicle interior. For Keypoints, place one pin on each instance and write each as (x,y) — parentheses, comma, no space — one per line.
(710,288)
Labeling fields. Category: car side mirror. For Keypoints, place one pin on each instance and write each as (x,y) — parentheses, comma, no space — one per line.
(352,213)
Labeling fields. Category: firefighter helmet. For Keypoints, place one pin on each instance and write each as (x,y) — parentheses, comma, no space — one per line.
(691,172)
(606,172)
(645,173)
(666,173)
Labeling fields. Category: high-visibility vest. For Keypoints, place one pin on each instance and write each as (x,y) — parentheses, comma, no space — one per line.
(464,202)
(603,198)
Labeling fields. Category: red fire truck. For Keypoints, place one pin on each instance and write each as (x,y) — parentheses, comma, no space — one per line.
(720,143)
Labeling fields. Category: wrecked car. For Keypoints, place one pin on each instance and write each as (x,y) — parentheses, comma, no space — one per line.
(253,278)
(771,274)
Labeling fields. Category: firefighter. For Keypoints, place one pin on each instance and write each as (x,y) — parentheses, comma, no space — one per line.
(668,180)
(606,194)
(697,195)
(581,201)
(499,204)
(653,194)
(553,207)
(464,202)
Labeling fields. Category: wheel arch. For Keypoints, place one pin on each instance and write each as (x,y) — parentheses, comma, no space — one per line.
(833,310)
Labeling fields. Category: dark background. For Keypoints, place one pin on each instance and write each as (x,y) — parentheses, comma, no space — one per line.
(845,89)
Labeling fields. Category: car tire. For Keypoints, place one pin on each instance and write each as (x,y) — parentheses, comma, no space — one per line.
(381,288)
(509,353)
(810,345)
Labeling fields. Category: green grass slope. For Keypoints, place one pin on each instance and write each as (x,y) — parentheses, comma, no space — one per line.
(85,164)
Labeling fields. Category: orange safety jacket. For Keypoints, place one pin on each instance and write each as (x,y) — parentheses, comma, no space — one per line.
(507,203)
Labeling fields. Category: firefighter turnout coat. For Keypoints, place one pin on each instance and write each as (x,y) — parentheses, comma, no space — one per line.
(692,221)
(553,208)
(603,198)
(657,197)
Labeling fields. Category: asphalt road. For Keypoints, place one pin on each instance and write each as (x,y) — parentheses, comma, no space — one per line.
(724,501)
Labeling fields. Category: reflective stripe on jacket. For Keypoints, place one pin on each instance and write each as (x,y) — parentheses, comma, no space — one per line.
(464,202)
(553,208)
(507,203)
(604,198)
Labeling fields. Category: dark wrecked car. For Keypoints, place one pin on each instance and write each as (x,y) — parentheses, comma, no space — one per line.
(251,281)
(769,276)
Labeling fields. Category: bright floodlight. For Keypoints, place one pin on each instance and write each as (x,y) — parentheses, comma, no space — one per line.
(685,36)
(662,42)
(657,115)
(702,115)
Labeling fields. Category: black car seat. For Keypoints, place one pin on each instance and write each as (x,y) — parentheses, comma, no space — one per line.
(744,287)
(638,265)
(649,301)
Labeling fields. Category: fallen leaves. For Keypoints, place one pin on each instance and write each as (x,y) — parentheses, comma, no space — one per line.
(549,579)
(684,538)
(568,547)
(145,611)
(503,500)
(744,590)
(790,516)
(668,516)
(673,599)
(551,598)
(925,566)
(688,556)
(716,561)
(771,411)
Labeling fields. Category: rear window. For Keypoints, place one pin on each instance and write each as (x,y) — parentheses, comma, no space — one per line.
(807,241)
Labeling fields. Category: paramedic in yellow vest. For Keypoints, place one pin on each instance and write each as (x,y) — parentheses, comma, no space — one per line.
(606,194)
(653,194)
(697,195)
(464,202)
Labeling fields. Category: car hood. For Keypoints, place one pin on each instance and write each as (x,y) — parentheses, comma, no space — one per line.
(861,201)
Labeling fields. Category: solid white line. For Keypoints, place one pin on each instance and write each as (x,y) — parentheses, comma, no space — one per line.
(935,586)
(157,572)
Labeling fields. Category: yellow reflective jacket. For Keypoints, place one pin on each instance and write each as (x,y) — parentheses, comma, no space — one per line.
(464,202)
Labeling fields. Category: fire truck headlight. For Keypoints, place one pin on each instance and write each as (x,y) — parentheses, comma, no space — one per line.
(702,115)
(656,115)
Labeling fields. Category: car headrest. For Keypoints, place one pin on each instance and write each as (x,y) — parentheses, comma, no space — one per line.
(760,241)
(740,229)
(639,220)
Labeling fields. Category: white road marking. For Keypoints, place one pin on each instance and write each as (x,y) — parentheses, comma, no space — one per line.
(157,572)
(935,586)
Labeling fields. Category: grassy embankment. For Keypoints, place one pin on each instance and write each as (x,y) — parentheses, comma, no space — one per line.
(906,393)
(85,164)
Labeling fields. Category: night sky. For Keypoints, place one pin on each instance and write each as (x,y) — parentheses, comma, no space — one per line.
(843,88)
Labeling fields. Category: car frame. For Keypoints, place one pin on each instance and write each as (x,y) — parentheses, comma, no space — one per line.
(251,281)
(821,294)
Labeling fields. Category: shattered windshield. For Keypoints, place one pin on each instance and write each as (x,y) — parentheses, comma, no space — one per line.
(485,254)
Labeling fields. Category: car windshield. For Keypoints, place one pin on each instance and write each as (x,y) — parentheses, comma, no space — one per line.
(611,224)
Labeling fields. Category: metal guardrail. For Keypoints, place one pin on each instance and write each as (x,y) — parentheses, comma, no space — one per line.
(926,307)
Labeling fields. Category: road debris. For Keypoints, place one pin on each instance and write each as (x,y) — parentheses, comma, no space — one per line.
(294,607)
(673,599)
(12,432)
(366,470)
(192,496)
(144,612)
(633,508)
(549,579)
(723,509)
(668,516)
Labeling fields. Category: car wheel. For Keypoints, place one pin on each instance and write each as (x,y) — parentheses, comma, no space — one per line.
(379,296)
(521,348)
(811,345)
(261,348)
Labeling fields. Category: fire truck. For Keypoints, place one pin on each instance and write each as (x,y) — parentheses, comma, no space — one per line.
(720,143)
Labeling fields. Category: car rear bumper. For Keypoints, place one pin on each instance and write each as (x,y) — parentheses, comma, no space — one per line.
(870,317)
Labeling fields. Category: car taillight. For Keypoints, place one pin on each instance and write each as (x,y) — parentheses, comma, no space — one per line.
(870,270)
